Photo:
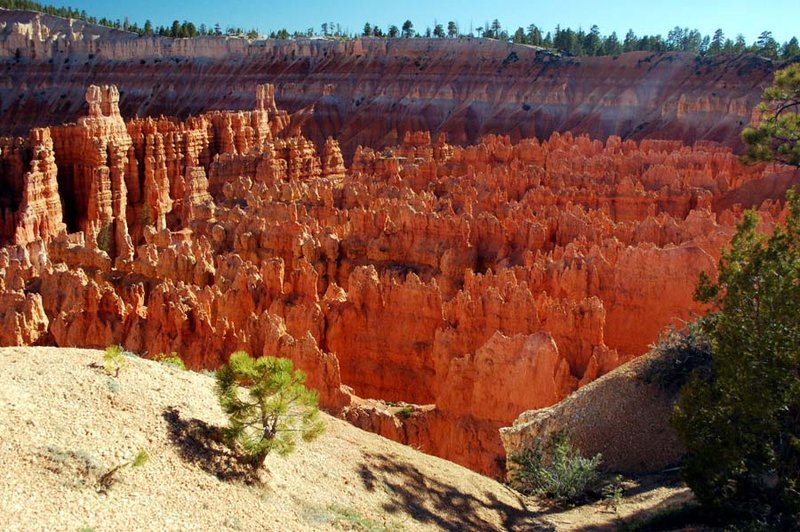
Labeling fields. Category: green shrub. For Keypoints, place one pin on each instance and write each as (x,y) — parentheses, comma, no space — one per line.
(275,408)
(405,412)
(104,239)
(114,360)
(79,468)
(110,477)
(741,422)
(348,519)
(84,470)
(562,474)
(170,360)
(679,353)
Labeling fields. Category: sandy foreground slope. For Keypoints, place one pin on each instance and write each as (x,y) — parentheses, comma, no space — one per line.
(64,422)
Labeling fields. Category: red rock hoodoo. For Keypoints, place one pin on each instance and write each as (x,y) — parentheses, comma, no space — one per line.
(431,291)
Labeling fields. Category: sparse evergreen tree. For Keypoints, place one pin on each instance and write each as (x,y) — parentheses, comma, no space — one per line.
(777,136)
(692,42)
(496,27)
(727,47)
(271,412)
(408,29)
(558,39)
(631,42)
(190,30)
(367,30)
(394,31)
(790,49)
(534,35)
(592,42)
(438,31)
(704,44)
(739,45)
(717,43)
(452,30)
(612,46)
(675,38)
(767,45)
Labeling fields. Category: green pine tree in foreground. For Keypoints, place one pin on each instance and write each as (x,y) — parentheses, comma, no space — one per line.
(272,409)
(741,422)
(741,426)
(777,136)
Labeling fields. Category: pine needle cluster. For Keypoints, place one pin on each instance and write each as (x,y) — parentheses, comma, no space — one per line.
(268,406)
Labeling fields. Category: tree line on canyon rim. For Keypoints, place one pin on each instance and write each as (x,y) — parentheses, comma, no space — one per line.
(564,40)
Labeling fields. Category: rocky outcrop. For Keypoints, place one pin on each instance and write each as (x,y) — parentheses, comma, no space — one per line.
(23,319)
(375,91)
(93,160)
(432,292)
(30,201)
(634,436)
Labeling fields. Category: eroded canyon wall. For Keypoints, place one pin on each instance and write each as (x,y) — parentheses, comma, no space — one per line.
(432,292)
(372,91)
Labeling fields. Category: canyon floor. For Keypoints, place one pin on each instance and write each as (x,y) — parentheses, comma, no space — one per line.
(66,422)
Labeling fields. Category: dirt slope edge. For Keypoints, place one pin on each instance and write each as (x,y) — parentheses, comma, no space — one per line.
(64,421)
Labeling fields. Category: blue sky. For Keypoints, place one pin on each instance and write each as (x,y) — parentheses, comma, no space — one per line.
(750,18)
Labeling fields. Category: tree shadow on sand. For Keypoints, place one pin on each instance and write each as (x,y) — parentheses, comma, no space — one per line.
(677,512)
(204,445)
(431,502)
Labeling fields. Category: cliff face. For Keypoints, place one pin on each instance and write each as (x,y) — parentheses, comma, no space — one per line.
(431,292)
(372,91)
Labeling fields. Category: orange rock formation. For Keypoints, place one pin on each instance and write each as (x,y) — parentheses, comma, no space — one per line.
(374,91)
(471,283)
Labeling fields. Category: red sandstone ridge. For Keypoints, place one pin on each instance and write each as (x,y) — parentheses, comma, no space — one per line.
(472,283)
(372,91)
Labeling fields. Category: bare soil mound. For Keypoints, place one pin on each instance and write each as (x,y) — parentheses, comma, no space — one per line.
(65,423)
